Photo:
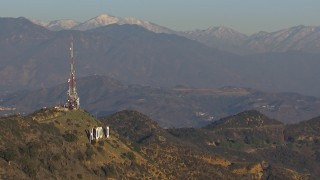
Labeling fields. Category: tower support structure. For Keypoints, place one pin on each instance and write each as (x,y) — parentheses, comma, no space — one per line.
(73,100)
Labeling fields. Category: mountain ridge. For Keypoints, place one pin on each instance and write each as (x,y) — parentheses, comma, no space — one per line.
(100,21)
(302,38)
(32,57)
(296,38)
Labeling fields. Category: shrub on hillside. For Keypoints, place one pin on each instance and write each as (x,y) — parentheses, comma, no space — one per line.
(100,149)
(101,143)
(30,167)
(109,171)
(50,128)
(129,155)
(8,154)
(31,149)
(69,137)
(79,155)
(89,152)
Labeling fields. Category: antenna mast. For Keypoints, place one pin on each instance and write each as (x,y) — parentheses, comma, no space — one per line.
(73,101)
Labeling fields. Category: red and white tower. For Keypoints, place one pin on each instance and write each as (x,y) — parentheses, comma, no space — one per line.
(73,101)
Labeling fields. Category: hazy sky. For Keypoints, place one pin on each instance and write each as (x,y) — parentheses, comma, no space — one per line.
(247,16)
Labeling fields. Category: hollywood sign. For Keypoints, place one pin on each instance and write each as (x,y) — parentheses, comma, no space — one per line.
(99,133)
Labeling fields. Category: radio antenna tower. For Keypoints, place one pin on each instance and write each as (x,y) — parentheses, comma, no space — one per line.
(73,101)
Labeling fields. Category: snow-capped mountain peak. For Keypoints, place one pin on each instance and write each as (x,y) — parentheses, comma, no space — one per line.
(106,19)
(225,32)
(63,24)
(38,22)
(56,25)
(220,32)
(101,20)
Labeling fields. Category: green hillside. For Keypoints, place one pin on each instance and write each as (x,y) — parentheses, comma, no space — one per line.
(253,137)
(53,144)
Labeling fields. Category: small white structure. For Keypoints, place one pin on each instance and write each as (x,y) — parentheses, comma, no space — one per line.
(107,132)
(99,133)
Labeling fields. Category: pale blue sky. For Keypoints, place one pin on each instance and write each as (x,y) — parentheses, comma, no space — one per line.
(247,16)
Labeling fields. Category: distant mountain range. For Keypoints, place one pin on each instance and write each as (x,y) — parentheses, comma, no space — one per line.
(33,57)
(298,38)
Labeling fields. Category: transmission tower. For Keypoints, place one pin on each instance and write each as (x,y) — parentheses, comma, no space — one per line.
(73,101)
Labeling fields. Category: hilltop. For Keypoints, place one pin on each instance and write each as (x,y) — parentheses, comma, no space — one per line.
(51,143)
(253,137)
(246,119)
